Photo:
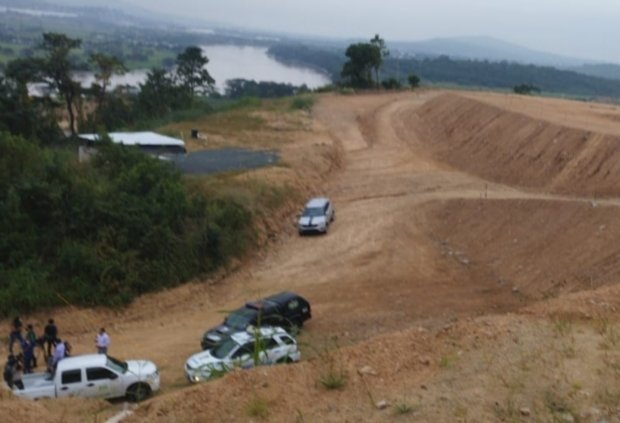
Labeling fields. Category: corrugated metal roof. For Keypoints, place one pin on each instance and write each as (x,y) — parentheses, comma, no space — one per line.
(136,138)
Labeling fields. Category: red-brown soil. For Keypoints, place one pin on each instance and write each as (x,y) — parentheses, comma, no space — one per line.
(471,268)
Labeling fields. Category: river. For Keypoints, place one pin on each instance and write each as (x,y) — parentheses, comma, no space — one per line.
(230,62)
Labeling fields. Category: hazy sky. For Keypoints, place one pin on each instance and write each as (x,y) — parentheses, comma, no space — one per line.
(577,28)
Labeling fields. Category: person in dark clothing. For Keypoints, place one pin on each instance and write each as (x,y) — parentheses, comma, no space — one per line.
(50,336)
(18,373)
(8,370)
(16,333)
(28,351)
(32,338)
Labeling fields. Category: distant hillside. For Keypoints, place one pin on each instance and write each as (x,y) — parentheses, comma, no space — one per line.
(609,71)
(446,70)
(485,48)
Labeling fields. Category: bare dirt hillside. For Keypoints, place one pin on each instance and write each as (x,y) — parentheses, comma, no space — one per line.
(470,275)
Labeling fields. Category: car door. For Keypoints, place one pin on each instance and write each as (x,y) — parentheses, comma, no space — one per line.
(102,382)
(243,356)
(70,383)
(273,351)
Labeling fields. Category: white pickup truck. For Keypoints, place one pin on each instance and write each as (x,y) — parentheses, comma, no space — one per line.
(95,375)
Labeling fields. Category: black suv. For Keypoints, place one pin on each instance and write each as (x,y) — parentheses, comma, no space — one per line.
(286,309)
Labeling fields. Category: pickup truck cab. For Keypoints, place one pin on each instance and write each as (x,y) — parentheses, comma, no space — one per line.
(95,375)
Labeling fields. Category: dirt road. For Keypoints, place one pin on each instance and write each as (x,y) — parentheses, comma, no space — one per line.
(416,242)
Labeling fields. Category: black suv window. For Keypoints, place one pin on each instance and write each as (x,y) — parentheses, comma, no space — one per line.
(98,373)
(293,304)
(71,376)
(271,320)
(240,319)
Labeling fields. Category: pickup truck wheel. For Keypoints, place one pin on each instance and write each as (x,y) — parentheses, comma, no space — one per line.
(138,392)
(285,360)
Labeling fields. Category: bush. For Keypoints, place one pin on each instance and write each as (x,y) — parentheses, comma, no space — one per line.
(104,232)
(303,103)
(391,84)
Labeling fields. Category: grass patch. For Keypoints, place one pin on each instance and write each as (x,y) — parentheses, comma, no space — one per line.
(257,407)
(562,326)
(333,375)
(403,407)
(303,103)
(448,360)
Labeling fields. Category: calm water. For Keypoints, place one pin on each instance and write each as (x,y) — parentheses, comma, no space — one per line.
(230,62)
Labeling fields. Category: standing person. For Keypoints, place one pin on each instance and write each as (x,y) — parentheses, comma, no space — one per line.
(16,333)
(18,373)
(8,370)
(32,338)
(50,336)
(59,354)
(102,341)
(28,351)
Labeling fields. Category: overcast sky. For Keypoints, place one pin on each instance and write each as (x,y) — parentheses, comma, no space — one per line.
(578,28)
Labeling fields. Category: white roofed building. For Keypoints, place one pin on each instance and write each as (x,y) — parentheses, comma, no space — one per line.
(149,142)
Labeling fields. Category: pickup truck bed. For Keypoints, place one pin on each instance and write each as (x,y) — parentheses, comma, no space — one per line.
(37,384)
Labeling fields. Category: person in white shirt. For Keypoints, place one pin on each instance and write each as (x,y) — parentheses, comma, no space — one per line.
(59,354)
(102,341)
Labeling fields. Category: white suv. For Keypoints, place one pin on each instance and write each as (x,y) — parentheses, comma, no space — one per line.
(264,345)
(316,216)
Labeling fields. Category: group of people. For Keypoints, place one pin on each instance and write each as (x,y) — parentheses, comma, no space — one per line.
(24,361)
(54,350)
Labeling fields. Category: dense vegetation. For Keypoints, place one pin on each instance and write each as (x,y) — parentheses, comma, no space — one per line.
(239,88)
(103,232)
(444,70)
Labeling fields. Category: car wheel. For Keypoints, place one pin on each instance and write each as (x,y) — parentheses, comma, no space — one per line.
(138,392)
(285,360)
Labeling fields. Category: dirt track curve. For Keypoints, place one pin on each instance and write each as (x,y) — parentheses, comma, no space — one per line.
(416,242)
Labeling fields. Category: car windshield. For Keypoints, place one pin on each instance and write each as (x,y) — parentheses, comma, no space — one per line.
(313,211)
(116,365)
(222,350)
(240,319)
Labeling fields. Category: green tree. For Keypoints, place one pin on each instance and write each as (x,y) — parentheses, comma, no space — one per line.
(158,95)
(414,80)
(526,89)
(379,43)
(106,67)
(56,70)
(192,71)
(19,113)
(363,58)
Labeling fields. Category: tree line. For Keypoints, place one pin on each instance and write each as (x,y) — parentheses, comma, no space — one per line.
(53,68)
(102,232)
(444,70)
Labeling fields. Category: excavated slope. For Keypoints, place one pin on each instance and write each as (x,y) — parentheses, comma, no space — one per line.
(517,149)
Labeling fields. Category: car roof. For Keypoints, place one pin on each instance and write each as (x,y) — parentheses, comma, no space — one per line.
(283,297)
(242,337)
(80,361)
(317,202)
